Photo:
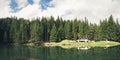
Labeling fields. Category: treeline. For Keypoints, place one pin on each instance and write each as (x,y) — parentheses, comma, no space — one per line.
(14,30)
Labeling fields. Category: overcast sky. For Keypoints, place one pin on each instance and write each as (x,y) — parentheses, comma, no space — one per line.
(94,10)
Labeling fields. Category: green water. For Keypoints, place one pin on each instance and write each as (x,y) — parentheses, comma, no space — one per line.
(57,53)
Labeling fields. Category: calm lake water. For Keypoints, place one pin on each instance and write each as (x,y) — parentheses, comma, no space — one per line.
(57,53)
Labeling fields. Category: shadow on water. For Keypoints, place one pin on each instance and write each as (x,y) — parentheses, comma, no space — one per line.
(10,52)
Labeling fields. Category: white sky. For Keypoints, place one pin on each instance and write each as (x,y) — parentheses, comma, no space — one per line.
(94,10)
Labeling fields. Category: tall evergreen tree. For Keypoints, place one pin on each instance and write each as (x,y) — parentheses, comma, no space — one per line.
(53,34)
(111,29)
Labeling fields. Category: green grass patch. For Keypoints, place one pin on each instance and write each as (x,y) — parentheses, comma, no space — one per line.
(72,43)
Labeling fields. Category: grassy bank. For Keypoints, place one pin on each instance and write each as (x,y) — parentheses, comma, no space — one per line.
(71,44)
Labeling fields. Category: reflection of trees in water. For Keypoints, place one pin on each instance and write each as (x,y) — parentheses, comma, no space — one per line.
(58,53)
(26,58)
(31,58)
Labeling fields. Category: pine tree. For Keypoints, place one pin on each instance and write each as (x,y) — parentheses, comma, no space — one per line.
(111,35)
(53,34)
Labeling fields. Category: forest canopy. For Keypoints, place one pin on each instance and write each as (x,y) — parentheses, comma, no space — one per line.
(14,30)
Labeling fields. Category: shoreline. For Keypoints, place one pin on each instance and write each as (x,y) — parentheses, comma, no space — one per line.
(71,44)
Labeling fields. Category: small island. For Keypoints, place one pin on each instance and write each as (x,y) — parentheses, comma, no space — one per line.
(82,43)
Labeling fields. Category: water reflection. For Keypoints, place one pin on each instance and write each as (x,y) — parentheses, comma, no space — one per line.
(30,58)
(26,58)
(83,48)
(58,53)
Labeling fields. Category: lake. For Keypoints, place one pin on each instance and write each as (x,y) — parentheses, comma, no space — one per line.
(10,52)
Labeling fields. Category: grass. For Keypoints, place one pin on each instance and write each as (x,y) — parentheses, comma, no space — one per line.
(71,44)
